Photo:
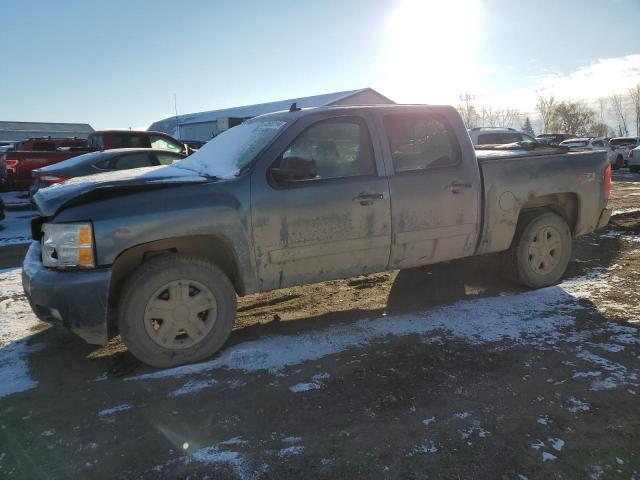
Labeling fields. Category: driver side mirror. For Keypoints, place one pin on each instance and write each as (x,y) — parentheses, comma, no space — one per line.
(294,169)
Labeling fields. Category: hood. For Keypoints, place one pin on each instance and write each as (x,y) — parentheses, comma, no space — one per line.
(78,190)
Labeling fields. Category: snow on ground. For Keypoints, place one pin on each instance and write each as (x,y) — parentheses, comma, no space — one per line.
(17,323)
(539,318)
(16,227)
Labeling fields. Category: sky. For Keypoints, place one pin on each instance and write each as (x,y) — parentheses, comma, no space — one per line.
(118,63)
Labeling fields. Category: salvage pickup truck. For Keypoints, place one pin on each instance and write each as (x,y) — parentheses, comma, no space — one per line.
(290,198)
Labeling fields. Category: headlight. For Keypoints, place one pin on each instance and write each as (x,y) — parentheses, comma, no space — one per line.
(67,245)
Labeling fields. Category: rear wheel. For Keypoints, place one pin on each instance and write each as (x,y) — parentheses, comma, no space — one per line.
(541,249)
(176,310)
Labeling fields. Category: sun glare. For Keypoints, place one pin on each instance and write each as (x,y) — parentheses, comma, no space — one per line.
(430,49)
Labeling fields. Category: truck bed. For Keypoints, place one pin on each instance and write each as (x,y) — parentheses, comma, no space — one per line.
(519,179)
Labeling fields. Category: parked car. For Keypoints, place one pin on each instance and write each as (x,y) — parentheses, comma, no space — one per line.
(634,160)
(110,139)
(552,138)
(293,198)
(498,136)
(100,162)
(20,164)
(621,147)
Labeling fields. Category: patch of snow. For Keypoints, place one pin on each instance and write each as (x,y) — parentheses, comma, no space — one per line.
(292,439)
(234,441)
(556,443)
(428,447)
(304,387)
(546,456)
(618,374)
(17,320)
(574,405)
(15,229)
(619,461)
(14,371)
(609,347)
(428,421)
(292,450)
(48,433)
(543,420)
(463,415)
(112,410)
(586,374)
(214,456)
(193,386)
(538,445)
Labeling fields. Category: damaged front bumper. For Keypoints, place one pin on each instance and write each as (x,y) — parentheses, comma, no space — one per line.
(77,299)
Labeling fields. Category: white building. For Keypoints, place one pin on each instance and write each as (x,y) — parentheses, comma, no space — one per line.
(206,125)
(17,131)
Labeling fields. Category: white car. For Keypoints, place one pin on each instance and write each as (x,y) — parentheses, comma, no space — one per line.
(634,160)
(620,147)
(498,136)
(592,144)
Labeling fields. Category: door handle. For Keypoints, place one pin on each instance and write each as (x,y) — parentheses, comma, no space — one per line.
(368,198)
(457,187)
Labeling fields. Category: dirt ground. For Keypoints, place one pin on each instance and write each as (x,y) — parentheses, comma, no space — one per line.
(448,371)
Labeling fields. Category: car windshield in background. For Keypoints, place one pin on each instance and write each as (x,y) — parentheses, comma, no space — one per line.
(228,153)
(501,138)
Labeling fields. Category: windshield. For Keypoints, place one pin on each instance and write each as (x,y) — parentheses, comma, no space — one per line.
(228,153)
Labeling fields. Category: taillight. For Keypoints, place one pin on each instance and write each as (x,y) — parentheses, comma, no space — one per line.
(11,165)
(607,182)
(53,178)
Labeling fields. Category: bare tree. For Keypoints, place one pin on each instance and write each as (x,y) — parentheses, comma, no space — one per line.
(545,107)
(508,116)
(634,94)
(467,110)
(571,117)
(620,113)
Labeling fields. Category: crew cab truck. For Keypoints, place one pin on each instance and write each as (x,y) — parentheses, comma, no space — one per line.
(292,198)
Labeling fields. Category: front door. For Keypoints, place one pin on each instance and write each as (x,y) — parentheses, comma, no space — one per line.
(334,225)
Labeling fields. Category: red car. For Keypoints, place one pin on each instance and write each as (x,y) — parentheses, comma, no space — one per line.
(16,166)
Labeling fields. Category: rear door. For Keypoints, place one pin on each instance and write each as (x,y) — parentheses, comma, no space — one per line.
(335,225)
(434,185)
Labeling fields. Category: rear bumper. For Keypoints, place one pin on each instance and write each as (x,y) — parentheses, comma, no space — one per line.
(77,299)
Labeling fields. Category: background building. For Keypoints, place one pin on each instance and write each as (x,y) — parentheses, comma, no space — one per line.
(206,125)
(16,131)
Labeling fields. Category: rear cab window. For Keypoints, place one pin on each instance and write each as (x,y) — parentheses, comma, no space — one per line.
(421,142)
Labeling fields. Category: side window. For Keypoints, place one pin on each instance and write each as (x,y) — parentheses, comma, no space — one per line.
(133,160)
(339,147)
(419,142)
(129,141)
(167,158)
(598,143)
(163,143)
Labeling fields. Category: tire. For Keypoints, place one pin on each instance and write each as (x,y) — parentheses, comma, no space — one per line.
(176,309)
(536,270)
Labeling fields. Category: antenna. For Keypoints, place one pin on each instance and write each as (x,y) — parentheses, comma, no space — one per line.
(175,107)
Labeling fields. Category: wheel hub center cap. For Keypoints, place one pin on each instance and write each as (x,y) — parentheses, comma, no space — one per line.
(181,313)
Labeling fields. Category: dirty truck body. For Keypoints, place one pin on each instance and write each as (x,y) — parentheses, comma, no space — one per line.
(412,191)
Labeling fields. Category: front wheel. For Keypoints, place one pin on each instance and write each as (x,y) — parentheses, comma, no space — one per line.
(541,249)
(175,310)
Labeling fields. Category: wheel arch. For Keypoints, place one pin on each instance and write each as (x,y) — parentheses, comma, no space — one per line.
(564,204)
(215,248)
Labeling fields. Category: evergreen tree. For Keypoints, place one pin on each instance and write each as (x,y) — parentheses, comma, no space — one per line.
(527,128)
